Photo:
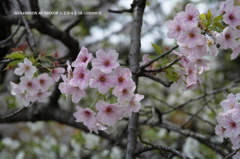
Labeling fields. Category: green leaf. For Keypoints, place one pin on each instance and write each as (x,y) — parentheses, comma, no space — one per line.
(157,48)
(13,64)
(220,17)
(209,15)
(151,57)
(218,24)
(173,76)
(202,16)
(16,55)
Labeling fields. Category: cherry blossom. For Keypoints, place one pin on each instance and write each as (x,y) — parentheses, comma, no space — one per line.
(76,92)
(44,81)
(236,51)
(101,80)
(229,123)
(213,50)
(227,39)
(22,96)
(134,104)
(230,103)
(83,57)
(26,68)
(190,16)
(232,16)
(41,96)
(81,76)
(96,127)
(175,28)
(109,114)
(224,5)
(124,93)
(106,61)
(56,73)
(123,76)
(191,36)
(87,116)
(30,85)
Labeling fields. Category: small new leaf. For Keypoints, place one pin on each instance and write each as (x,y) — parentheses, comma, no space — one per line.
(157,48)
(220,17)
(16,55)
(13,64)
(173,76)
(202,16)
(209,15)
(218,24)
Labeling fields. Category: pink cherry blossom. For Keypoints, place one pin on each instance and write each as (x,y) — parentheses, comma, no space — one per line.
(229,103)
(22,96)
(191,75)
(101,80)
(123,76)
(63,85)
(41,96)
(200,65)
(191,86)
(227,39)
(87,116)
(232,16)
(106,61)
(229,123)
(56,73)
(134,104)
(83,57)
(98,126)
(236,142)
(191,36)
(30,85)
(44,81)
(124,93)
(109,114)
(219,130)
(76,92)
(190,16)
(26,68)
(81,76)
(145,60)
(224,5)
(213,50)
(236,51)
(175,28)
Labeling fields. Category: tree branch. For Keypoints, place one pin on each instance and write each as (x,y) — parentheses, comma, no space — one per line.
(158,147)
(32,41)
(13,34)
(157,58)
(166,84)
(165,67)
(134,64)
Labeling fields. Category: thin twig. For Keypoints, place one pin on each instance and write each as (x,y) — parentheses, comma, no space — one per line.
(157,58)
(13,114)
(13,34)
(231,154)
(166,84)
(26,23)
(165,67)
(160,148)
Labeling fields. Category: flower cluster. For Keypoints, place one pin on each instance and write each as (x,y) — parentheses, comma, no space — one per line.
(30,88)
(229,121)
(108,78)
(190,29)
